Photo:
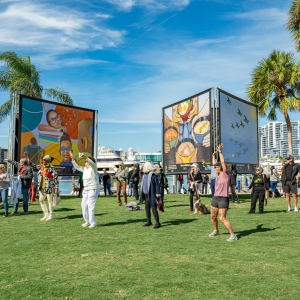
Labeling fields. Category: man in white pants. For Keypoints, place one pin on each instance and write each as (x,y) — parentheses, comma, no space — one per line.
(91,189)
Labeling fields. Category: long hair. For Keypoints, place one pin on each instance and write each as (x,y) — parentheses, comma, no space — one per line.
(148,167)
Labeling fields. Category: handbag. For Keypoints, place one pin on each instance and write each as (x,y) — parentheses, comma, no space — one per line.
(159,205)
(56,199)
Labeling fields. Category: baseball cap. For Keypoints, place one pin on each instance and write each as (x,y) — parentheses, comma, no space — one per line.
(290,157)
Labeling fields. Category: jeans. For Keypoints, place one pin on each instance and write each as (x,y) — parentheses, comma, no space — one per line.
(130,188)
(107,186)
(25,201)
(123,186)
(179,186)
(4,194)
(273,186)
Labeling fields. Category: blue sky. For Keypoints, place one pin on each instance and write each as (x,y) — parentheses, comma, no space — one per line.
(130,58)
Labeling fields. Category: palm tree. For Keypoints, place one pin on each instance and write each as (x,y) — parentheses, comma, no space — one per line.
(19,76)
(275,86)
(293,24)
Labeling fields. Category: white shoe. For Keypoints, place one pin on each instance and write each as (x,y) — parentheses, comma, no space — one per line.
(44,218)
(50,218)
(85,224)
(93,226)
(296,209)
(288,209)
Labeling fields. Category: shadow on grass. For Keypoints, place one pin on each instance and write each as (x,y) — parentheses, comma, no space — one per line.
(254,230)
(178,222)
(273,211)
(125,222)
(78,216)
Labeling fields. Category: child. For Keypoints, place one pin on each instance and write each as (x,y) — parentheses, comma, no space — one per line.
(65,148)
(54,122)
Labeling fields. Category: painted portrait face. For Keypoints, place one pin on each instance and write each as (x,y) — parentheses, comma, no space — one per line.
(65,148)
(54,119)
(85,129)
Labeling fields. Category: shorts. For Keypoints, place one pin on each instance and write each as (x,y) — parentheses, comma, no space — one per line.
(220,202)
(288,187)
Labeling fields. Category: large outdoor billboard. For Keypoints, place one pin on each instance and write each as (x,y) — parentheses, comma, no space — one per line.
(55,129)
(238,131)
(187,133)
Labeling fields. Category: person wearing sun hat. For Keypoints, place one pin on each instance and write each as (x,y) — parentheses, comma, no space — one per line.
(290,178)
(47,185)
(220,201)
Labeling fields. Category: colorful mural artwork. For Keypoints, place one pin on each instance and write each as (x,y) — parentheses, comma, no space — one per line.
(55,129)
(186,133)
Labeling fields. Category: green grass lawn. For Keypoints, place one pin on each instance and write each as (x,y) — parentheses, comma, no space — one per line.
(121,259)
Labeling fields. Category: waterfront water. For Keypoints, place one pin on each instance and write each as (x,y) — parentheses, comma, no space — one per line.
(65,186)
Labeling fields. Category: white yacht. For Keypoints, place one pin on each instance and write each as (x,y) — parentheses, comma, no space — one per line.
(107,158)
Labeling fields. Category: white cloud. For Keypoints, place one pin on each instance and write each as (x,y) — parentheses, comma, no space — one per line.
(265,15)
(127,5)
(53,29)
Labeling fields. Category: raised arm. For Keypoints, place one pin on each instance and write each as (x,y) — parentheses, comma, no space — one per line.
(221,156)
(79,168)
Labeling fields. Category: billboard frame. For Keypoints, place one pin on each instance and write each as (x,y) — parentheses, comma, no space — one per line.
(95,124)
(211,98)
(220,120)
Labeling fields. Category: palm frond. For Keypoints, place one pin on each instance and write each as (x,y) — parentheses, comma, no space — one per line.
(5,110)
(60,95)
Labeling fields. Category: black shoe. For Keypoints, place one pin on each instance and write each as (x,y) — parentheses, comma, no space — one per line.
(250,212)
(5,215)
(157,225)
(261,212)
(147,224)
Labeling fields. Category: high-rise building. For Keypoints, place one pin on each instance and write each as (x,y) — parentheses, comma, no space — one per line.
(3,154)
(273,139)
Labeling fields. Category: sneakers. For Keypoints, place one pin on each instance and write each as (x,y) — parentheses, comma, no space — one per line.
(214,233)
(45,217)
(5,215)
(14,213)
(93,226)
(190,210)
(296,209)
(232,238)
(86,224)
(288,209)
(50,218)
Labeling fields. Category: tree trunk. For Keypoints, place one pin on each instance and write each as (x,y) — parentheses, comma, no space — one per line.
(289,130)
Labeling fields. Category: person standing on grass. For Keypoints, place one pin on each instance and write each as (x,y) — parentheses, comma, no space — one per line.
(135,177)
(180,182)
(290,178)
(25,174)
(106,182)
(194,178)
(4,180)
(204,184)
(130,182)
(259,184)
(47,185)
(91,189)
(213,176)
(273,180)
(151,193)
(220,201)
(121,176)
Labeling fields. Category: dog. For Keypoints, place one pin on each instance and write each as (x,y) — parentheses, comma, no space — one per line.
(200,208)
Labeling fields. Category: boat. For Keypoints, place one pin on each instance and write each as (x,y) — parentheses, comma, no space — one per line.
(107,159)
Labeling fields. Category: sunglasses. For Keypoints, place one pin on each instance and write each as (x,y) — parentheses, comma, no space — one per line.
(217,167)
(257,170)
